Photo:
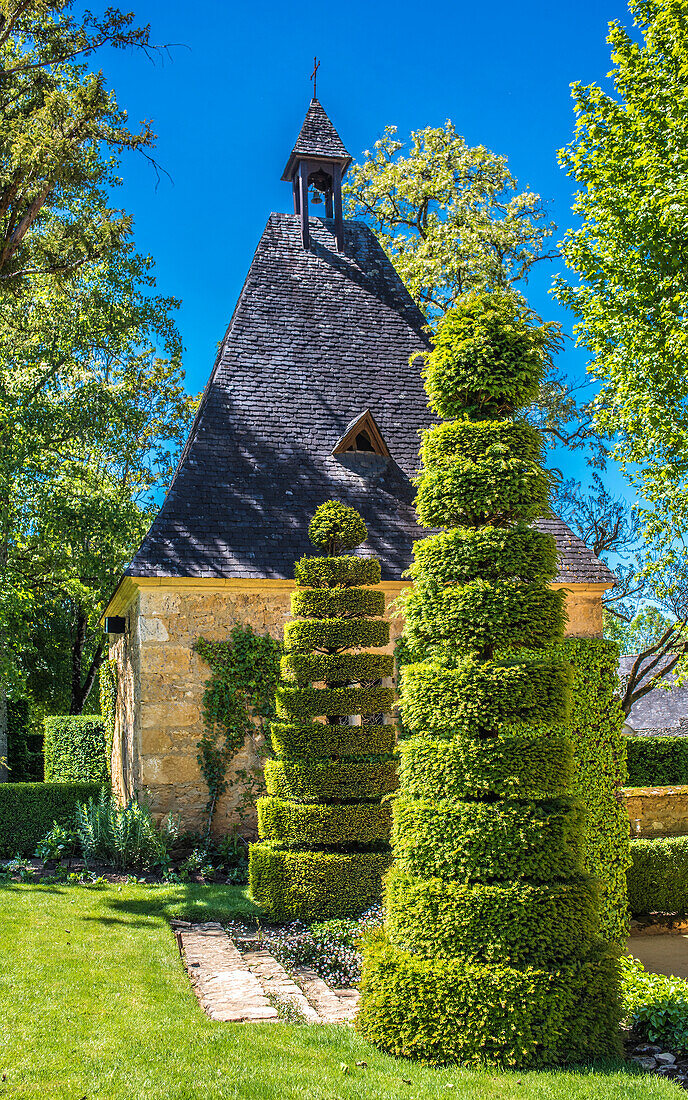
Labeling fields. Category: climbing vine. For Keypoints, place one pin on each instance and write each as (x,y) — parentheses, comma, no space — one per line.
(108,703)
(239,698)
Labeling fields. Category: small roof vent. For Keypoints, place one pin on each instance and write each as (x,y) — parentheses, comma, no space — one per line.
(362,434)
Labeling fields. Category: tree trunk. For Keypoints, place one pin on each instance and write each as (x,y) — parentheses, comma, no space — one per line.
(81,691)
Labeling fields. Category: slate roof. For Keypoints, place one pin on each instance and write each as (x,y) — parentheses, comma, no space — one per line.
(318,139)
(316,337)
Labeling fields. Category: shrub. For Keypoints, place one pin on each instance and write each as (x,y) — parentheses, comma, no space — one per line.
(324,807)
(657,761)
(655,1006)
(126,837)
(75,749)
(58,844)
(490,951)
(28,811)
(658,875)
(24,748)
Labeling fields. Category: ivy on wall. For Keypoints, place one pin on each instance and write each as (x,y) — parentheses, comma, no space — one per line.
(108,703)
(239,699)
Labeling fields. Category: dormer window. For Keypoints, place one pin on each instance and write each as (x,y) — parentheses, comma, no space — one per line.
(362,435)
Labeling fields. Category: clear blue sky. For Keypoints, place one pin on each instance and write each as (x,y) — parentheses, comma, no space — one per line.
(228,103)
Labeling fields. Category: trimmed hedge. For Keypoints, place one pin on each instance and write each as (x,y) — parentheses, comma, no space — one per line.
(503,840)
(308,702)
(303,636)
(343,781)
(75,749)
(454,493)
(311,886)
(475,440)
(473,699)
(463,554)
(308,740)
(449,1010)
(313,826)
(338,603)
(522,767)
(657,761)
(658,876)
(345,668)
(347,570)
(430,915)
(28,810)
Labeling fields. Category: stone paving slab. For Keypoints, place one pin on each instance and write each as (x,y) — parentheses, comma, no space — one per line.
(334,1006)
(225,987)
(662,954)
(275,980)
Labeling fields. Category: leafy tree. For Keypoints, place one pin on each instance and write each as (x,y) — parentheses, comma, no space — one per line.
(629,254)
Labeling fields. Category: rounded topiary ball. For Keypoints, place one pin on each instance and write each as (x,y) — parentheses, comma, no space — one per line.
(337,528)
(488,357)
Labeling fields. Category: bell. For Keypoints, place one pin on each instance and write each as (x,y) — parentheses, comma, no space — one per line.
(317,197)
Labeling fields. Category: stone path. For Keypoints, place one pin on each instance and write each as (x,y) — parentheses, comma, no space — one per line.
(662,954)
(249,985)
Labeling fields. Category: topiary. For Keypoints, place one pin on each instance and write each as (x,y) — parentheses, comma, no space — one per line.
(324,828)
(491,949)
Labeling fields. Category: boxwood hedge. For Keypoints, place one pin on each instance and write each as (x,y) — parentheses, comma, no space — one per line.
(75,749)
(28,810)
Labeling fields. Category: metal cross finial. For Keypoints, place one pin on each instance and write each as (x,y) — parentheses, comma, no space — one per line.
(314,75)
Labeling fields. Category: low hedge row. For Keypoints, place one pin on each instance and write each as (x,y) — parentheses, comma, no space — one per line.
(345,570)
(658,876)
(307,702)
(455,492)
(341,781)
(525,767)
(490,922)
(657,761)
(28,810)
(463,554)
(303,635)
(314,885)
(483,840)
(333,826)
(338,603)
(444,1011)
(473,698)
(75,749)
(343,668)
(503,614)
(312,740)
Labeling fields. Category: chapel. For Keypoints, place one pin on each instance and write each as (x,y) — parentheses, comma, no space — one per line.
(314,396)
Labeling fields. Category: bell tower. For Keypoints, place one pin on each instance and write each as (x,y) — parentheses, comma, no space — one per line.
(319,161)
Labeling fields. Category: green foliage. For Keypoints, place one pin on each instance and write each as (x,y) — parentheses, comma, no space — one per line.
(346,603)
(356,780)
(75,749)
(655,1006)
(464,554)
(336,572)
(308,740)
(303,702)
(493,921)
(479,440)
(333,635)
(337,528)
(58,844)
(108,703)
(595,727)
(657,761)
(28,811)
(474,841)
(24,746)
(629,291)
(511,766)
(362,668)
(125,837)
(313,885)
(497,490)
(488,357)
(238,698)
(658,875)
(359,825)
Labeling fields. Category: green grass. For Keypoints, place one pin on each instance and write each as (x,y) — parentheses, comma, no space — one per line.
(94,1003)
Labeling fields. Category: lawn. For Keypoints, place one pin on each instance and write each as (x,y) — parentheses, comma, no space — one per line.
(94,1002)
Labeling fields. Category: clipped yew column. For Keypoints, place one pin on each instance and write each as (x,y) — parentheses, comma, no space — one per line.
(324,828)
(490,951)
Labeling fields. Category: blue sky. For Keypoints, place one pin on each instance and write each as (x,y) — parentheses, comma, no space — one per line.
(228,102)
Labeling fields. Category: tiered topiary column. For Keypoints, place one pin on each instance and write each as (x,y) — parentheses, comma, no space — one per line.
(324,828)
(490,950)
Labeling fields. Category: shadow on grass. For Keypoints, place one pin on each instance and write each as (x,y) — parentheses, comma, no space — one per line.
(190,901)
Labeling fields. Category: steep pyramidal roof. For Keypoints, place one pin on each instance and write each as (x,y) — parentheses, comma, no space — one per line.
(318,139)
(317,336)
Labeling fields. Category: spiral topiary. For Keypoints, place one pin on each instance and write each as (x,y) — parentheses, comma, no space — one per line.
(491,950)
(324,827)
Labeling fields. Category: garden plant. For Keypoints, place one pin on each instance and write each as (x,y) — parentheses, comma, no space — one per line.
(324,825)
(491,949)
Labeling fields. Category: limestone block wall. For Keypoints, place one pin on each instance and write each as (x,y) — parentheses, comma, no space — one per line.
(161,682)
(657,811)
